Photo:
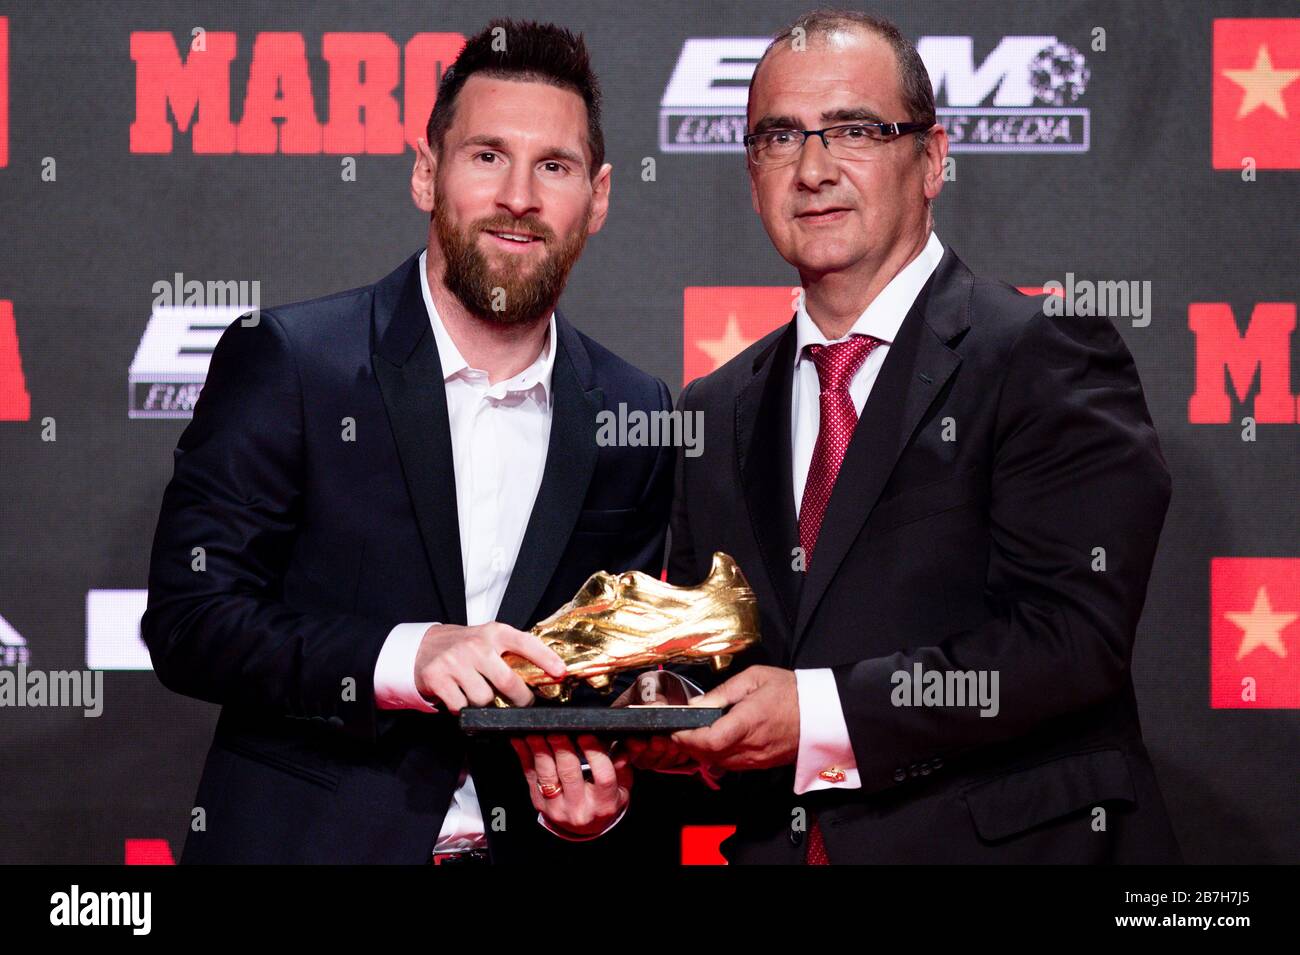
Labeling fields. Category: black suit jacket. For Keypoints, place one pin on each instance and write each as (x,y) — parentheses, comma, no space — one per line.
(967,550)
(314,547)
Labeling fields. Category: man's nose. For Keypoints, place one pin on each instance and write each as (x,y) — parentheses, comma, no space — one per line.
(518,193)
(816,167)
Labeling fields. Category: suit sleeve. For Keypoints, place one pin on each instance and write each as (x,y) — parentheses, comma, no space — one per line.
(215,625)
(1076,466)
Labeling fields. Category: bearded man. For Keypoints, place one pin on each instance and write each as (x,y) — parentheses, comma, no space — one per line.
(389,485)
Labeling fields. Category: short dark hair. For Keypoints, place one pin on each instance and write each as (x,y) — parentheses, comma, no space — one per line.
(533,52)
(918,93)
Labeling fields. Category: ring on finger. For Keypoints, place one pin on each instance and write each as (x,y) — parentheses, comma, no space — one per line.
(549,790)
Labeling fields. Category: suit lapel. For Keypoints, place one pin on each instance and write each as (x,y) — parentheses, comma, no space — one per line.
(916,368)
(570,464)
(410,379)
(764,458)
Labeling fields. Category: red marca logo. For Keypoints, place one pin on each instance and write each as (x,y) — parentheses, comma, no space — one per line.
(1254,634)
(1256,93)
(1257,362)
(279,112)
(15,402)
(722,321)
(149,852)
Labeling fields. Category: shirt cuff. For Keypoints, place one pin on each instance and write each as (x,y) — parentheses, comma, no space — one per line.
(825,759)
(541,819)
(395,670)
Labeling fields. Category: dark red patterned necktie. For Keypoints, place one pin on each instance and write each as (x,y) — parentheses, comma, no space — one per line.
(836,365)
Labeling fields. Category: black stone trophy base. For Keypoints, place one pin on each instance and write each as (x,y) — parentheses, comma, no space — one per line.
(624,720)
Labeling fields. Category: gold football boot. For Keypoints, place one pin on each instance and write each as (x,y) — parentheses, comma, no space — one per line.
(632,621)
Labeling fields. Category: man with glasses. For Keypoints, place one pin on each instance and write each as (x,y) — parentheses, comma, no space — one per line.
(947,501)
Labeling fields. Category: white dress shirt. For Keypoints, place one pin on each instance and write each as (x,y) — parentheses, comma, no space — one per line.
(499,437)
(824,744)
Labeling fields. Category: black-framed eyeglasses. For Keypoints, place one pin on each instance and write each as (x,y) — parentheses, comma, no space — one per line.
(774,147)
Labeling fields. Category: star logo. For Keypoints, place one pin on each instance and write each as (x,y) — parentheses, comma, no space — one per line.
(1263,85)
(1254,609)
(732,342)
(1262,627)
(1255,83)
(719,322)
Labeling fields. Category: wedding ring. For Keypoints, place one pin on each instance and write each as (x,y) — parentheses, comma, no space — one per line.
(549,790)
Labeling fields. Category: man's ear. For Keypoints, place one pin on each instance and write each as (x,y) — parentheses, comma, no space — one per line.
(424,177)
(753,189)
(600,187)
(936,153)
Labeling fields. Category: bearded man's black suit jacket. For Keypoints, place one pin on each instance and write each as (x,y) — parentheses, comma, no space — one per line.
(314,547)
(998,448)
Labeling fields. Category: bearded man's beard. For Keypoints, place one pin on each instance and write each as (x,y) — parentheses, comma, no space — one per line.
(507,292)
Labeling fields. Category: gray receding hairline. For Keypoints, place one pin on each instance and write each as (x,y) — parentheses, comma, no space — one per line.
(914,80)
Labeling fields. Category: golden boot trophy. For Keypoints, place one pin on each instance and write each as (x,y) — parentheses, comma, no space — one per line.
(622,622)
(631,621)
